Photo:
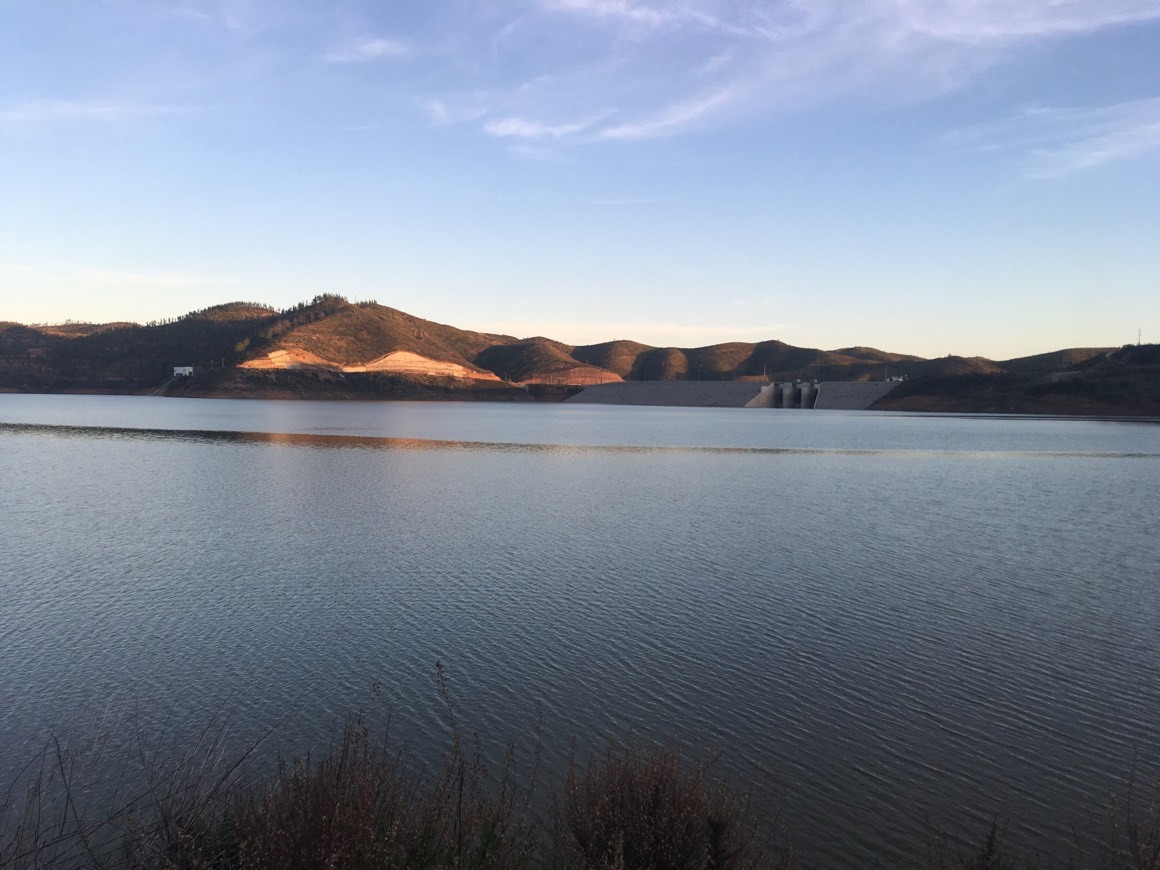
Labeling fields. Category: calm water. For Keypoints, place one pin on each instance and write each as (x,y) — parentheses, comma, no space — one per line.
(893,617)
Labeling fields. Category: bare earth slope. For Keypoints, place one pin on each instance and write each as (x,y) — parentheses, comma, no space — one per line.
(372,337)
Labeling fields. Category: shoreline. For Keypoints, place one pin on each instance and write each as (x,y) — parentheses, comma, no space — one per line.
(990,395)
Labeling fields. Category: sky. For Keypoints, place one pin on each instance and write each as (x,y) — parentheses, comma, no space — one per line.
(969,177)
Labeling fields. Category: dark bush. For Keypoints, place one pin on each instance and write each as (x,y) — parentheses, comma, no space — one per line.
(648,808)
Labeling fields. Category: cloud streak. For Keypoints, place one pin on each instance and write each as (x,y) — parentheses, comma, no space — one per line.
(1054,142)
(367,49)
(541,77)
(677,116)
(95,277)
(80,111)
(651,70)
(520,128)
(670,15)
(975,21)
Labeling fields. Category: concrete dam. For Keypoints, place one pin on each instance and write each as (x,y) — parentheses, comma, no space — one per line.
(823,395)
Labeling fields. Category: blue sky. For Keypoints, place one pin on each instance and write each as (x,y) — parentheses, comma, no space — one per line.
(972,177)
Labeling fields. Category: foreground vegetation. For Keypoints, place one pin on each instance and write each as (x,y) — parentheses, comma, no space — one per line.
(362,805)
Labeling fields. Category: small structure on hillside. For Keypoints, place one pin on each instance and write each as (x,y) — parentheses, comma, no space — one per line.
(182,371)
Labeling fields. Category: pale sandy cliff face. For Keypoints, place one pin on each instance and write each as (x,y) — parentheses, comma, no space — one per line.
(397,362)
(413,364)
(289,359)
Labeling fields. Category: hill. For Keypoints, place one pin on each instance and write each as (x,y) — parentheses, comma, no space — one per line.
(335,335)
(873,355)
(1124,382)
(125,357)
(543,361)
(1057,361)
(355,336)
(331,347)
(618,357)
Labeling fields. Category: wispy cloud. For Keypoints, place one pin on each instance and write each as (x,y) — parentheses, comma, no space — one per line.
(520,128)
(565,73)
(970,21)
(1117,141)
(656,69)
(617,9)
(677,116)
(189,13)
(701,15)
(65,111)
(619,202)
(96,277)
(367,49)
(454,108)
(1053,142)
(242,19)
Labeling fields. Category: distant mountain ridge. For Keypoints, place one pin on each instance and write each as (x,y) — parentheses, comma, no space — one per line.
(334,339)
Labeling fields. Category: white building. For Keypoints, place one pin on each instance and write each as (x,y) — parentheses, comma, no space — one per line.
(182,371)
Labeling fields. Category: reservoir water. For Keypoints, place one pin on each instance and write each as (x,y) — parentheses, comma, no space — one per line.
(888,618)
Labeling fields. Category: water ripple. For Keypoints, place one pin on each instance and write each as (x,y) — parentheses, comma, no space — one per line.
(890,633)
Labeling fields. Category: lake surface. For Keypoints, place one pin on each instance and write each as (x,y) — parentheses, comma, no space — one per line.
(894,618)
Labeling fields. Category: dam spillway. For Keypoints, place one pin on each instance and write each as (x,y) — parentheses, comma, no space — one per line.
(822,395)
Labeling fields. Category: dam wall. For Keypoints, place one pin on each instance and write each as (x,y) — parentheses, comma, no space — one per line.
(689,394)
(822,395)
(851,395)
(828,395)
